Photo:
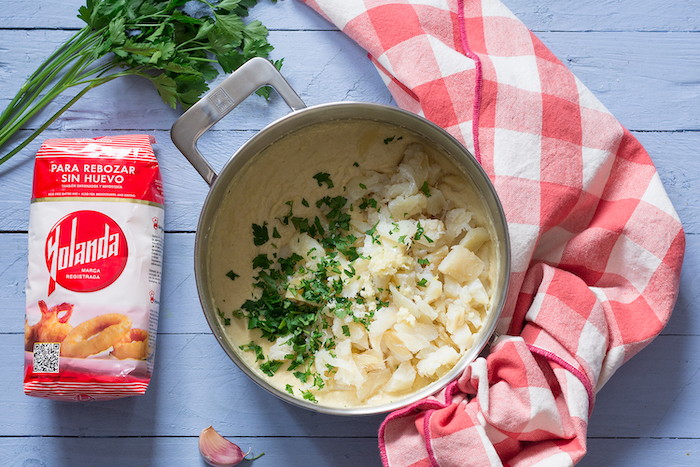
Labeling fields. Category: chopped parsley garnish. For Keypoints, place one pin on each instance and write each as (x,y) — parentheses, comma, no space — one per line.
(423,261)
(308,395)
(322,178)
(255,348)
(270,367)
(425,189)
(392,138)
(232,275)
(373,234)
(421,233)
(296,302)
(422,283)
(371,203)
(261,261)
(260,234)
(227,321)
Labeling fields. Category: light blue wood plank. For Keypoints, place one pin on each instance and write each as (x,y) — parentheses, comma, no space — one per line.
(107,452)
(676,155)
(629,74)
(539,15)
(195,385)
(181,310)
(677,159)
(284,14)
(334,69)
(654,394)
(632,81)
(170,451)
(647,79)
(606,15)
(642,452)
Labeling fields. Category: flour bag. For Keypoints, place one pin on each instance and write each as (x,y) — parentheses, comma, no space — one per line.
(94,268)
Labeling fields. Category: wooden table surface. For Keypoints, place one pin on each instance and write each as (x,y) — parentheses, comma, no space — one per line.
(641,58)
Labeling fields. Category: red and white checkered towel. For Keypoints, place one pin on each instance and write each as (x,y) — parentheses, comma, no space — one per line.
(597,246)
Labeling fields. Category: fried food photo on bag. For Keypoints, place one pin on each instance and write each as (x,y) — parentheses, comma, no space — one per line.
(51,327)
(134,345)
(95,335)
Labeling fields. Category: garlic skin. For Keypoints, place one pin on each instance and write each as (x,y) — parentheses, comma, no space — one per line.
(217,451)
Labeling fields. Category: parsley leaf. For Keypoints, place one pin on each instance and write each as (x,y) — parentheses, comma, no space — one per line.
(270,367)
(227,321)
(252,346)
(260,234)
(309,396)
(322,178)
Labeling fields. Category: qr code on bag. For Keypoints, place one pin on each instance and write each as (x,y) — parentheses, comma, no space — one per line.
(46,357)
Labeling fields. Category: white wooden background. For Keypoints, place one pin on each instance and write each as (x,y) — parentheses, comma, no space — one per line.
(640,57)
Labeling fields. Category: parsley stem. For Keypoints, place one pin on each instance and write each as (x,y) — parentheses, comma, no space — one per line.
(153,39)
(43,76)
(202,59)
(67,81)
(43,127)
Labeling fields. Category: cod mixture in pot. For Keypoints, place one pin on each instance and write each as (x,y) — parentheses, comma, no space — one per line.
(353,264)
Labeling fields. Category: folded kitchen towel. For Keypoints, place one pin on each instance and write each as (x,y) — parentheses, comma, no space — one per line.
(597,246)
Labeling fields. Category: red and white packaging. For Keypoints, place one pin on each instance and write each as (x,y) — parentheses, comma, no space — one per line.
(94,273)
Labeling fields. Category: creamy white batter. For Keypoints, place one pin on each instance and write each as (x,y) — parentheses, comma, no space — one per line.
(285,172)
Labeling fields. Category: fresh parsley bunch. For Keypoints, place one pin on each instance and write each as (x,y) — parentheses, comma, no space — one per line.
(156,40)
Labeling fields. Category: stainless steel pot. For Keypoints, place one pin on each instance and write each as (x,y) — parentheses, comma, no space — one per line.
(217,103)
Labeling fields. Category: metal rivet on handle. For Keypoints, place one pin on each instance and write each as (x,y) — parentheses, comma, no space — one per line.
(221,100)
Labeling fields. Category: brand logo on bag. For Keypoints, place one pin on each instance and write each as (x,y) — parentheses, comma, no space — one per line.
(85,251)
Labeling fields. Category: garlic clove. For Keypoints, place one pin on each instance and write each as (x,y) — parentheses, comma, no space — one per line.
(217,450)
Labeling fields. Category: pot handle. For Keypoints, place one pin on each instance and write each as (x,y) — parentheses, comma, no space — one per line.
(218,102)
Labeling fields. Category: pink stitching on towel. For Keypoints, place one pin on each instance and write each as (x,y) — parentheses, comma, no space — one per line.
(570,368)
(477,86)
(425,404)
